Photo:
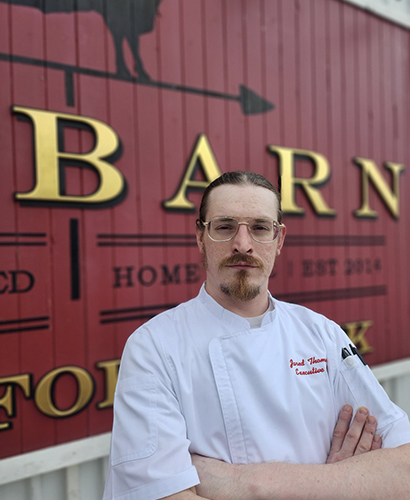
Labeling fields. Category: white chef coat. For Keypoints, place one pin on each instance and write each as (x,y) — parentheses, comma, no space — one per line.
(198,379)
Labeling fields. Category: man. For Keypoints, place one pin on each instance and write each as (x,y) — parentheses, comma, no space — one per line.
(249,388)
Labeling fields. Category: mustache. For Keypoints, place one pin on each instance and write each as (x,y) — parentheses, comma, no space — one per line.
(238,258)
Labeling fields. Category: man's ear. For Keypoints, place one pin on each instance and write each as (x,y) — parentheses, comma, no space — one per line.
(281,239)
(200,238)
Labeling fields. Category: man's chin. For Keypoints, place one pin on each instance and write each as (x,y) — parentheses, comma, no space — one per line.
(241,290)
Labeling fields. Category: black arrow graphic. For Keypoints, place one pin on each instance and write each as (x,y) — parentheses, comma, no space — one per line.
(250,102)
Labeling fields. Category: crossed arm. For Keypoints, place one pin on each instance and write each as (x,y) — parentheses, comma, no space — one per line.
(349,473)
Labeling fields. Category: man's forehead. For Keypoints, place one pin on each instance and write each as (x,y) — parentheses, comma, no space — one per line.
(245,200)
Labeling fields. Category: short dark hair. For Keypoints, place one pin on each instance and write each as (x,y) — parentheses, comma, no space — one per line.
(240,178)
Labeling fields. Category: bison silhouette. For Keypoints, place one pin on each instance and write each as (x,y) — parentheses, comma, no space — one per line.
(126,19)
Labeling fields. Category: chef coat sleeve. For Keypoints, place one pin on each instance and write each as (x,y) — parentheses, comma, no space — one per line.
(149,457)
(355,384)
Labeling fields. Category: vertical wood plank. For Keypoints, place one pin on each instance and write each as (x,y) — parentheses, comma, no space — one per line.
(36,347)
(9,310)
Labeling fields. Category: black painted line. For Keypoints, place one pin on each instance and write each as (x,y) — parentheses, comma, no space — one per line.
(137,309)
(22,244)
(25,235)
(69,88)
(25,329)
(334,240)
(116,313)
(147,244)
(291,240)
(16,242)
(148,236)
(74,259)
(128,318)
(336,294)
(24,320)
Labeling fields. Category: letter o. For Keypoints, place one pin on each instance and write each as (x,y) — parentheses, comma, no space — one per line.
(43,395)
(152,275)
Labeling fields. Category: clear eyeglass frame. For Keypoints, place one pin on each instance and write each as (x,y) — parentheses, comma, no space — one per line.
(277,226)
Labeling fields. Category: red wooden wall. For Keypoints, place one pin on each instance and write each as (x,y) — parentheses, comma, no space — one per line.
(339,79)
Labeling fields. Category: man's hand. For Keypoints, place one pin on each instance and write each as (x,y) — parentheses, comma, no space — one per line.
(355,439)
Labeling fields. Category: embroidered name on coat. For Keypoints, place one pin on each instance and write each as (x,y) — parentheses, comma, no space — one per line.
(308,366)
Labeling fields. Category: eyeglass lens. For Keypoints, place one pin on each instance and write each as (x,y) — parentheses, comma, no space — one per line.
(225,229)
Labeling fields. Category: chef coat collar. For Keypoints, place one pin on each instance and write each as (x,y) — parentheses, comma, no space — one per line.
(225,315)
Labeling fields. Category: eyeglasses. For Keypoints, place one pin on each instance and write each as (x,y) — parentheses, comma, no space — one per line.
(225,228)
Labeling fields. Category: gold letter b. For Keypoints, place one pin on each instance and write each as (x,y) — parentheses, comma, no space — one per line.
(49,161)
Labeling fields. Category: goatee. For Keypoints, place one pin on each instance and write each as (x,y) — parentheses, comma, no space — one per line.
(241,290)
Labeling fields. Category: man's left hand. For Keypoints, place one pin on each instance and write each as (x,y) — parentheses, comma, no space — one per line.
(355,438)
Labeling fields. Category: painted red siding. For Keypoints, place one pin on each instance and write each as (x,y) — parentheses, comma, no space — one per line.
(76,281)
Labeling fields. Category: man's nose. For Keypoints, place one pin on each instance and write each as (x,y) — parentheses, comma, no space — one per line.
(242,242)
